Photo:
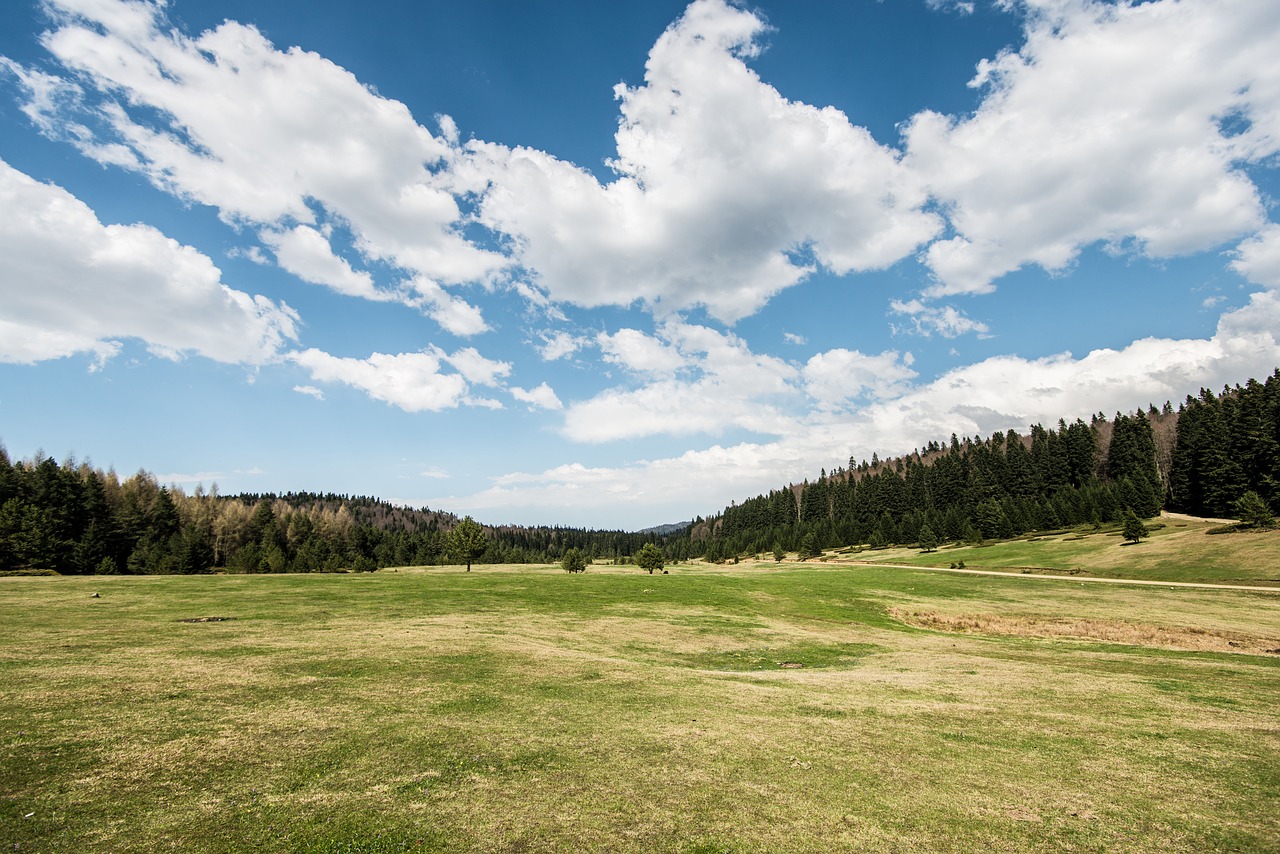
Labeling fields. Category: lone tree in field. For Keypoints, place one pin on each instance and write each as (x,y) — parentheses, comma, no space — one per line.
(928,539)
(573,561)
(1254,512)
(650,557)
(1133,529)
(467,540)
(778,553)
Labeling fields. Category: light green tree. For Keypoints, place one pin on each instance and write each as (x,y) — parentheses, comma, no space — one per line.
(650,557)
(778,553)
(467,540)
(573,561)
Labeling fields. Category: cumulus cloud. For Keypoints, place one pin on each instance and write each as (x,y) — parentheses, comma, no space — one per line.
(1258,258)
(453,313)
(996,394)
(1115,122)
(475,368)
(71,284)
(694,380)
(283,139)
(726,193)
(838,376)
(635,351)
(557,345)
(307,254)
(411,381)
(928,319)
(542,397)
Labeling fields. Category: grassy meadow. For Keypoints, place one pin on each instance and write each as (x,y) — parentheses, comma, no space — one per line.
(1178,549)
(757,707)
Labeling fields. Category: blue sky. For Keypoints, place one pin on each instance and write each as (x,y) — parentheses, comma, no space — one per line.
(615,265)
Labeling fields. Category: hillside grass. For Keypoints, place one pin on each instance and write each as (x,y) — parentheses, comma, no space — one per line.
(796,707)
(1181,550)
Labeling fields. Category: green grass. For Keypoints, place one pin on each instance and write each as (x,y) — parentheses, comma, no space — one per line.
(714,709)
(1181,550)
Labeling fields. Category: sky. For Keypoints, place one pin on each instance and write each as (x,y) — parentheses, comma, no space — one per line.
(615,265)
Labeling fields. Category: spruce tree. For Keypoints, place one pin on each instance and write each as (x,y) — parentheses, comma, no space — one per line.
(1133,530)
(928,539)
(467,540)
(650,558)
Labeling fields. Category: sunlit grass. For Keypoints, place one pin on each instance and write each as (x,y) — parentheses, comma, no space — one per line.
(1177,550)
(713,709)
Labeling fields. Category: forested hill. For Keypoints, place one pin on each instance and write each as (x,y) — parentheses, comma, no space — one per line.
(76,519)
(1200,459)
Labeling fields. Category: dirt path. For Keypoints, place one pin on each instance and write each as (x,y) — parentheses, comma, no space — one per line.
(1165,514)
(1082,578)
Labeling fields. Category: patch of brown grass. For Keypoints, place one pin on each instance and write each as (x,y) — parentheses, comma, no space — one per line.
(1184,638)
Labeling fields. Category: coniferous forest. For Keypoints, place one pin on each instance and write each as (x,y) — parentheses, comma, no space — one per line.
(1201,459)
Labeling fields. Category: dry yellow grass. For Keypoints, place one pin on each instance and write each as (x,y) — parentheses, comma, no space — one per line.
(1191,638)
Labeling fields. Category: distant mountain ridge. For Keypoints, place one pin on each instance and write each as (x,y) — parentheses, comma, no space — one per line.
(664,530)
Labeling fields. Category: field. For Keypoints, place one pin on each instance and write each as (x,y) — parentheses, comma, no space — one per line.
(756,707)
(1177,550)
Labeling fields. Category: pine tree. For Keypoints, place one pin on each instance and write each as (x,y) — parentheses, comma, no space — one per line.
(650,558)
(928,539)
(573,561)
(1133,530)
(1253,512)
(467,540)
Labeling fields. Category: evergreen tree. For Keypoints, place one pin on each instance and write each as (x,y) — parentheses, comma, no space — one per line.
(928,540)
(1134,530)
(650,558)
(467,540)
(1253,512)
(573,561)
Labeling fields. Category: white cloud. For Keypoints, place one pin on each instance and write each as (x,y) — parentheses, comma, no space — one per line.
(557,345)
(265,136)
(1108,125)
(542,397)
(722,383)
(434,474)
(452,313)
(1258,258)
(720,179)
(307,254)
(838,376)
(411,381)
(944,320)
(309,390)
(476,368)
(793,338)
(635,351)
(992,395)
(71,284)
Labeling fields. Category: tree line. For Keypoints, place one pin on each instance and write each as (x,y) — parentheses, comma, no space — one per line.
(77,519)
(1201,459)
